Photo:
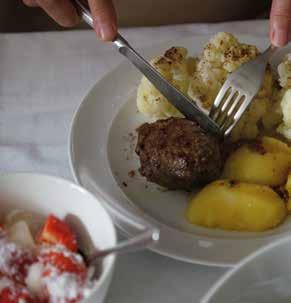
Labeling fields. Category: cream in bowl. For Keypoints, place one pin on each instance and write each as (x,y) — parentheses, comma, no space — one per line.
(48,228)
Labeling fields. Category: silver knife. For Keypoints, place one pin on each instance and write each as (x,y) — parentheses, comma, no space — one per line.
(187,107)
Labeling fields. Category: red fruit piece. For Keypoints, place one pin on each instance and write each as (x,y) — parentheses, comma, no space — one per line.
(63,261)
(56,231)
(13,293)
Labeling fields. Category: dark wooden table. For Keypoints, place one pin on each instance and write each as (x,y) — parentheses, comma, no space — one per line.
(15,17)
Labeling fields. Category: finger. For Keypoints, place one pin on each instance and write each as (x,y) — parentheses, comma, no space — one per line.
(105,20)
(31,3)
(62,11)
(280,21)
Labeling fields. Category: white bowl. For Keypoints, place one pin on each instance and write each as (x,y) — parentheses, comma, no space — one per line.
(45,194)
(263,277)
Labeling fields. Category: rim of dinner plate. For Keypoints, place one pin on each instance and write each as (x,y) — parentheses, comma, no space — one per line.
(231,273)
(52,178)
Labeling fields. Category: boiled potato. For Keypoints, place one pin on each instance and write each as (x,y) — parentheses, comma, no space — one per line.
(288,189)
(255,164)
(236,206)
(273,145)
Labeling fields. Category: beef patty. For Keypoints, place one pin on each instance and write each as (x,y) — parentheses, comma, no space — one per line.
(177,154)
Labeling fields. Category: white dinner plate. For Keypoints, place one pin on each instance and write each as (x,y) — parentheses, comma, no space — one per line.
(102,154)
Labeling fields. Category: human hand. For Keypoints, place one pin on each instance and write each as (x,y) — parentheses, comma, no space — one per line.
(64,13)
(280,22)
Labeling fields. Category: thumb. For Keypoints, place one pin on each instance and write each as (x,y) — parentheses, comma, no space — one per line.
(280,20)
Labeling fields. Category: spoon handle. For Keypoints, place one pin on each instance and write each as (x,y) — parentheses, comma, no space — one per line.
(140,242)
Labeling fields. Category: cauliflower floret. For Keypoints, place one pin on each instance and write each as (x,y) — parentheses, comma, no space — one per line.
(284,71)
(206,83)
(226,52)
(177,68)
(285,127)
(263,114)
(221,56)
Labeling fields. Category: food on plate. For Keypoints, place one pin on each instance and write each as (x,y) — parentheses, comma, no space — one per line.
(284,71)
(259,163)
(288,192)
(285,127)
(176,153)
(42,269)
(244,199)
(274,145)
(252,192)
(222,55)
(201,82)
(177,68)
(237,206)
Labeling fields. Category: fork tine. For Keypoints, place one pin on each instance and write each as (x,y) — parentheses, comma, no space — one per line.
(238,112)
(225,115)
(229,129)
(227,124)
(219,98)
(231,111)
(222,114)
(234,106)
(245,104)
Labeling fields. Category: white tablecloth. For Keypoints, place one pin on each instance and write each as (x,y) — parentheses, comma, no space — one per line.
(43,77)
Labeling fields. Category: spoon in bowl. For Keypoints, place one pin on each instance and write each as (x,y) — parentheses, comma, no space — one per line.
(147,238)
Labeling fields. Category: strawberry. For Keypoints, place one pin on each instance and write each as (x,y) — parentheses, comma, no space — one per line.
(56,231)
(64,262)
(14,293)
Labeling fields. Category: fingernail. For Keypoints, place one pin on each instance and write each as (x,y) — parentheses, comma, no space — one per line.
(279,33)
(104,30)
(97,30)
(280,37)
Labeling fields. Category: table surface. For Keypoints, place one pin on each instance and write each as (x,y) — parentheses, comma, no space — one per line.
(43,78)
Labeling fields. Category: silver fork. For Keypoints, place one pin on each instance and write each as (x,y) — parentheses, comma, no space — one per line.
(238,91)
